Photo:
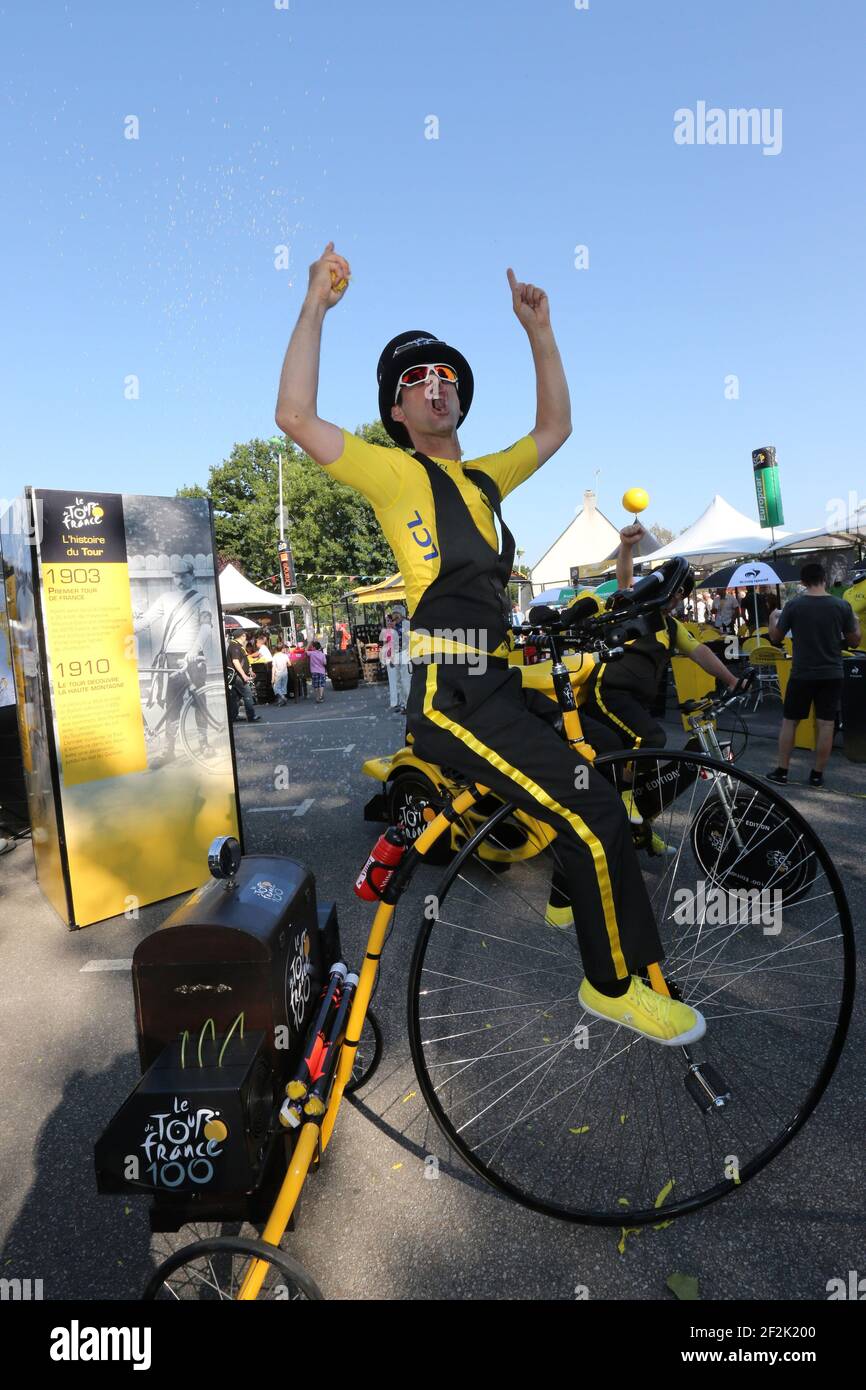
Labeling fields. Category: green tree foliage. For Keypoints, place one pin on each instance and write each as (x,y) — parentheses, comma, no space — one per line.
(331,528)
(662,534)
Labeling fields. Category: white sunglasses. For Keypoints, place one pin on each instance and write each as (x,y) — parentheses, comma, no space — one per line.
(414,376)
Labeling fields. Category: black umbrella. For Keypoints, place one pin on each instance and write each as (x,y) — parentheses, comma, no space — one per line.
(787,571)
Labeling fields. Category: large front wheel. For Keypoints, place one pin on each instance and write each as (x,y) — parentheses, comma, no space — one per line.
(584,1119)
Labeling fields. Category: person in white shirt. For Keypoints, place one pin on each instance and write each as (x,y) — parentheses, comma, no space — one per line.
(400,656)
(263,651)
(280,674)
(386,656)
(728,607)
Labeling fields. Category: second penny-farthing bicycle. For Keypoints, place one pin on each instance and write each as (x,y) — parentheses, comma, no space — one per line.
(566,1113)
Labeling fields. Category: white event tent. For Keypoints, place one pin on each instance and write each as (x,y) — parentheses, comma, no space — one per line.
(237,593)
(720,533)
(588,539)
(827,537)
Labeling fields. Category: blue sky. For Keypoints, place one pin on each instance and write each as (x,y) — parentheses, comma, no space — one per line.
(260,127)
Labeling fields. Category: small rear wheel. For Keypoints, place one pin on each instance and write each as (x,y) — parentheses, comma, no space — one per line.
(412,801)
(368,1055)
(212,1271)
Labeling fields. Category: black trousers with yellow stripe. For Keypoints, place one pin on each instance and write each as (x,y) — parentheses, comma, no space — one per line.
(489,728)
(624,712)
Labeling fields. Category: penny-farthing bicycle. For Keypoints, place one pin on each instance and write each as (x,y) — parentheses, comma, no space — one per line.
(566,1113)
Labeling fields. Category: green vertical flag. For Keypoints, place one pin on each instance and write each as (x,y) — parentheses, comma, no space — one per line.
(767,488)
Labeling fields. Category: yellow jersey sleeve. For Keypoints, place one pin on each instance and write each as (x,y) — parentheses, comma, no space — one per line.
(685,643)
(374,470)
(510,467)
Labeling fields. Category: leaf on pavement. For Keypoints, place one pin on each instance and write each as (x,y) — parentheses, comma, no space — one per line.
(685,1286)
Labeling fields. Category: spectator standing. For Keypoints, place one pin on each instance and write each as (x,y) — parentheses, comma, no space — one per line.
(317,670)
(280,674)
(401,656)
(242,682)
(820,625)
(263,650)
(728,608)
(386,656)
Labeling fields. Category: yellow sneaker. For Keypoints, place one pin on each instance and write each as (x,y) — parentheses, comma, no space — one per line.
(559,916)
(654,1016)
(658,846)
(631,810)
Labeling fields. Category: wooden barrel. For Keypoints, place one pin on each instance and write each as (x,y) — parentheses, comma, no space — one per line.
(343,669)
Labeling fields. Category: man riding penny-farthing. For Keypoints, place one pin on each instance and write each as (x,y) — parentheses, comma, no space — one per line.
(467,707)
(631,1053)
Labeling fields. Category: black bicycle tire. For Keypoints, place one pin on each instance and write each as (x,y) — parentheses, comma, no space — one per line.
(755,1165)
(698,827)
(213,724)
(239,1245)
(441,851)
(375,1027)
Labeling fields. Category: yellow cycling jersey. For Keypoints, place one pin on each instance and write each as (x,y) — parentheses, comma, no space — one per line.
(856,596)
(398,489)
(684,641)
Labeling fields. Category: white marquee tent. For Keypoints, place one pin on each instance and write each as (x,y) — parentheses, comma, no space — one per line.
(237,593)
(720,533)
(587,540)
(827,537)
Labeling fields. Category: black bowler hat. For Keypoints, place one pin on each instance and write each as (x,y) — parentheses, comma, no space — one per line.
(411,350)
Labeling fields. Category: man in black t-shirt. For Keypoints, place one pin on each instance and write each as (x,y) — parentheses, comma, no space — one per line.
(820,625)
(242,684)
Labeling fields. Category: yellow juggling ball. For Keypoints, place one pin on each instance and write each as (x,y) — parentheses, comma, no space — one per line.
(635,500)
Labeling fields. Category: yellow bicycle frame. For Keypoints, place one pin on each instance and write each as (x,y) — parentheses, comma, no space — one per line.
(315,1134)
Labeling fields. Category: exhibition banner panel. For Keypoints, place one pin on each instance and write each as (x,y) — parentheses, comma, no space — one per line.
(90,640)
(7,676)
(133,665)
(20,529)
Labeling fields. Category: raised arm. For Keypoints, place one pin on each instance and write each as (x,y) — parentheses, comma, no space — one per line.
(297,414)
(553,406)
(628,539)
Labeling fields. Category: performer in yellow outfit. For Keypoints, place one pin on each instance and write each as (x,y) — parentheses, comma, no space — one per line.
(467,707)
(856,596)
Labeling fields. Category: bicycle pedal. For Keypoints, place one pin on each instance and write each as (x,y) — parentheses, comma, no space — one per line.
(641,835)
(706,1087)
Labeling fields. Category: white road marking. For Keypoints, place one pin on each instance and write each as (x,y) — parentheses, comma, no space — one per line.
(106,965)
(300,810)
(332,719)
(336,749)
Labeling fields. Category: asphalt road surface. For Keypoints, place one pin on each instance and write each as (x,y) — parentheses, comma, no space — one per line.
(371,1224)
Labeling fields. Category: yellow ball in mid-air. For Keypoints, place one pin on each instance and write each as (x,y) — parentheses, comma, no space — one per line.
(635,500)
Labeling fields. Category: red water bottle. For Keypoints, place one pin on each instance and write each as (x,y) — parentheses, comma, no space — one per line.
(387,853)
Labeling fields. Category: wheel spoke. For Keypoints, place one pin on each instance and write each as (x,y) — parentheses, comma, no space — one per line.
(579,1116)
